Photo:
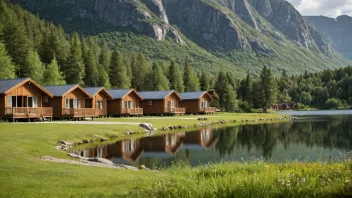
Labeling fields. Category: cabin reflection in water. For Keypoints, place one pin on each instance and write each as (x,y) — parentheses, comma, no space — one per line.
(155,146)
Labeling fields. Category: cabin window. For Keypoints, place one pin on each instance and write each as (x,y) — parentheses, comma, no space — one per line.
(32,101)
(204,104)
(9,101)
(72,103)
(128,104)
(99,104)
(150,103)
(45,99)
(170,104)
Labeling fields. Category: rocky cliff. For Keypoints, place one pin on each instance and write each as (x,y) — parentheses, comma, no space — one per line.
(338,31)
(240,32)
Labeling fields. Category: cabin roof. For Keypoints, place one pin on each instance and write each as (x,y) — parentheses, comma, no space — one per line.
(61,90)
(120,93)
(7,85)
(95,90)
(193,95)
(157,95)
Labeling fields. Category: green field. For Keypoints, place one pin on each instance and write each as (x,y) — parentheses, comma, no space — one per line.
(22,174)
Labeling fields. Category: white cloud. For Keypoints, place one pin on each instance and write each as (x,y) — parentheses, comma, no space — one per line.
(330,8)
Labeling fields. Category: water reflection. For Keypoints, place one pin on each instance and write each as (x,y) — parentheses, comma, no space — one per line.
(310,140)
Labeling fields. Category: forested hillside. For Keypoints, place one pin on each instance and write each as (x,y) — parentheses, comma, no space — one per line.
(244,36)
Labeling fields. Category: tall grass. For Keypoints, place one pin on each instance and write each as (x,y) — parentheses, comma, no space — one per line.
(255,180)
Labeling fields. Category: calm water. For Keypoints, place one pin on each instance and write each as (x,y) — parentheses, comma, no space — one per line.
(312,138)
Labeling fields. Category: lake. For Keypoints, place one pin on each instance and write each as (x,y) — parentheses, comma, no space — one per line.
(315,136)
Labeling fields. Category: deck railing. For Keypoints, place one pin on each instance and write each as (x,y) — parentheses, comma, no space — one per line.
(175,110)
(132,111)
(29,111)
(79,112)
(100,112)
(208,109)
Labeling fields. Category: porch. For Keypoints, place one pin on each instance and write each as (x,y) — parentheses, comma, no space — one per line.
(207,110)
(175,110)
(28,112)
(132,111)
(79,112)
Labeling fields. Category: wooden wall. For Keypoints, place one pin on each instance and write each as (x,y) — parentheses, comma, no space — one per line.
(100,97)
(56,104)
(158,106)
(2,106)
(28,89)
(115,106)
(77,93)
(192,106)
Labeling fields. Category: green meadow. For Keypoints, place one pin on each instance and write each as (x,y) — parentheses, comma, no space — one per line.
(22,174)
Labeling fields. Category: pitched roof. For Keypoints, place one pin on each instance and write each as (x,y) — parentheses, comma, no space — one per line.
(120,93)
(155,95)
(59,90)
(192,95)
(6,85)
(9,84)
(95,90)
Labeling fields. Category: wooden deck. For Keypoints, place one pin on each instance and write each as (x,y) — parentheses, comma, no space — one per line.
(175,110)
(208,110)
(79,113)
(131,111)
(28,112)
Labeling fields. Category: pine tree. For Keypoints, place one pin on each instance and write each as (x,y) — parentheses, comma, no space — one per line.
(104,67)
(118,73)
(175,78)
(190,79)
(267,92)
(220,87)
(139,70)
(7,68)
(33,67)
(247,89)
(92,77)
(349,91)
(158,79)
(46,52)
(14,37)
(230,103)
(74,68)
(204,82)
(52,74)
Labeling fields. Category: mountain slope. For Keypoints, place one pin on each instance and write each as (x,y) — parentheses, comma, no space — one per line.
(338,31)
(214,34)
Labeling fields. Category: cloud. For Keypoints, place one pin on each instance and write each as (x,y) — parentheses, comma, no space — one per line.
(330,8)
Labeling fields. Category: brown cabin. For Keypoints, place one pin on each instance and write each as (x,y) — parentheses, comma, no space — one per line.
(203,139)
(161,102)
(169,143)
(197,102)
(23,98)
(70,101)
(99,102)
(124,102)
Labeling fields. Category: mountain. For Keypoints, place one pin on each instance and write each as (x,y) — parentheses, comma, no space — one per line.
(214,35)
(338,31)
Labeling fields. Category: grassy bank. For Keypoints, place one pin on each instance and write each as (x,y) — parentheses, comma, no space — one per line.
(22,174)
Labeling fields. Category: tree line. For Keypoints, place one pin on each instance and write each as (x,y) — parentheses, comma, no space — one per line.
(31,47)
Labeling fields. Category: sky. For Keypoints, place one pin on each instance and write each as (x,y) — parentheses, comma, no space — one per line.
(330,8)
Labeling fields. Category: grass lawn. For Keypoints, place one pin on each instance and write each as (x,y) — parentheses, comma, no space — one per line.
(22,174)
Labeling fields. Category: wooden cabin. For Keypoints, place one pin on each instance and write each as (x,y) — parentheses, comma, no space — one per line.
(203,139)
(197,102)
(167,144)
(283,106)
(125,102)
(24,98)
(161,103)
(70,101)
(99,102)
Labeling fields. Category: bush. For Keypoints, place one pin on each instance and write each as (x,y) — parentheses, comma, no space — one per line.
(333,103)
(245,107)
